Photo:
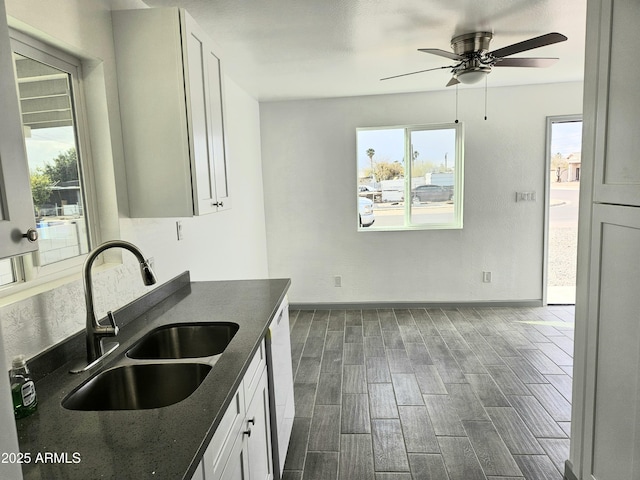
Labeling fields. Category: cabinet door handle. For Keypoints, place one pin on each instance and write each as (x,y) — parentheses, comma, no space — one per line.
(31,235)
(252,421)
(217,204)
(247,433)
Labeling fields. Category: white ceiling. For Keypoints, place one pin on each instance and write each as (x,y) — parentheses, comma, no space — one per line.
(282,49)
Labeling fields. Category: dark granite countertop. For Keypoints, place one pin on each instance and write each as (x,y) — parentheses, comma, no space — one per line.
(163,443)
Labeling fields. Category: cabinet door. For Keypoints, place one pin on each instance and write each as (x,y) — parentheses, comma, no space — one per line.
(616,142)
(613,346)
(216,110)
(215,457)
(16,204)
(204,109)
(259,441)
(237,467)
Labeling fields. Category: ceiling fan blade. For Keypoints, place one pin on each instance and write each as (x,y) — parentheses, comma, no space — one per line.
(537,42)
(526,62)
(453,81)
(441,53)
(413,73)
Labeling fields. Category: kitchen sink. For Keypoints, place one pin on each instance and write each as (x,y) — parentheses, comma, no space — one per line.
(135,387)
(184,340)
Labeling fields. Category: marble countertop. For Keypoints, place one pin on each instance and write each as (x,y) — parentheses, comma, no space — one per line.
(162,443)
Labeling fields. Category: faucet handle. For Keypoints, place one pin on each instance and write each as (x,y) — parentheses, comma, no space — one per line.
(112,321)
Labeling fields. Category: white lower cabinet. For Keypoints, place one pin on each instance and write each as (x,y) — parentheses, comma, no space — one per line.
(236,467)
(258,433)
(241,447)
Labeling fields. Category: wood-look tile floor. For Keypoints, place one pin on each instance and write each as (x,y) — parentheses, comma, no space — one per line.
(431,394)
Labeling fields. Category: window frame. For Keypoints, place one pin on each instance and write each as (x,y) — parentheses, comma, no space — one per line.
(458,194)
(28,273)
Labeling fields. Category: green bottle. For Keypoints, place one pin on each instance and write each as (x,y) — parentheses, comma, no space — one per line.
(23,391)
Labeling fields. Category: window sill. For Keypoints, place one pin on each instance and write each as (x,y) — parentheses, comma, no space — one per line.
(421,228)
(21,291)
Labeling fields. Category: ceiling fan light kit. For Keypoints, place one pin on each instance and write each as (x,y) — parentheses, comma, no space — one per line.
(470,76)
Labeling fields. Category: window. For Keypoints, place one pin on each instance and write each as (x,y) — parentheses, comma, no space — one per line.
(47,84)
(423,192)
(7,273)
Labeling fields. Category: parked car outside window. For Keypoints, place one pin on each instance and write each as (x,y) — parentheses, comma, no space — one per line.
(365,212)
(431,193)
(370,193)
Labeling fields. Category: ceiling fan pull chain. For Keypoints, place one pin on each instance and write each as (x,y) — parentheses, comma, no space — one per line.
(456,103)
(485,97)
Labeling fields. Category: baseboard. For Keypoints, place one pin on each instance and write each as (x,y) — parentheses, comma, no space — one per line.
(372,305)
(568,471)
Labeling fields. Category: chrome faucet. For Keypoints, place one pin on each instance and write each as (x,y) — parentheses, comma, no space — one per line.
(96,331)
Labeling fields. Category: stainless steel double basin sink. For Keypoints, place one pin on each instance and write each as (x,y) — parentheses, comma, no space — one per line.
(162,373)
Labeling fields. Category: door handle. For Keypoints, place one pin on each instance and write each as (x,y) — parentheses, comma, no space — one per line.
(31,235)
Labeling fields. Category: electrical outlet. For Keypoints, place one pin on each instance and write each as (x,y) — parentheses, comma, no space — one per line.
(486,277)
(179,231)
(337,281)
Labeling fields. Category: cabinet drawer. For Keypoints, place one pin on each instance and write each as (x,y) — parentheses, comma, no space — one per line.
(223,438)
(252,375)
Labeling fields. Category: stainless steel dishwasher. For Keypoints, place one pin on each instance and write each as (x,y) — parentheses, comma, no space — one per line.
(280,374)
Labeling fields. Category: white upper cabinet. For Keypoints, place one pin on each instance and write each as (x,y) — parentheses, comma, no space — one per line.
(16,205)
(616,143)
(171,104)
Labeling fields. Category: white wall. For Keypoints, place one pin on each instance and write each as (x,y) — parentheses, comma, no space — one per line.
(309,151)
(225,245)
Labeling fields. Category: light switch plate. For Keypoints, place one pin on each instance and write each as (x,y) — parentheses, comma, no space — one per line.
(525,196)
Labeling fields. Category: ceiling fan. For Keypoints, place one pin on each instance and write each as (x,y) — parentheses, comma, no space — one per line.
(475,61)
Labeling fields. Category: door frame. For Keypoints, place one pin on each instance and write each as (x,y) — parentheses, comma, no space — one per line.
(547,195)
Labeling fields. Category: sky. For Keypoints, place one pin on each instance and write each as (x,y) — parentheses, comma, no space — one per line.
(45,144)
(432,145)
(566,138)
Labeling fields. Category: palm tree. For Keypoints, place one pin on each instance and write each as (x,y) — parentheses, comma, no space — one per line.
(370,153)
